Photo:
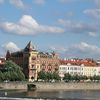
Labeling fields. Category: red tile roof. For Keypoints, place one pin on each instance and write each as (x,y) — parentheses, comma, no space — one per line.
(86,62)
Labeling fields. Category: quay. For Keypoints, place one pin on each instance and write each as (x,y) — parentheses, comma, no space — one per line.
(50,86)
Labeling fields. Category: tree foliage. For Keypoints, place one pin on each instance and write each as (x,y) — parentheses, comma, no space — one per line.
(42,75)
(67,77)
(48,76)
(12,72)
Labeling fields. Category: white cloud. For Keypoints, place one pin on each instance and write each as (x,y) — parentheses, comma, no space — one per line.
(1,1)
(78,27)
(58,49)
(28,26)
(66,1)
(97,2)
(95,13)
(39,2)
(82,49)
(93,34)
(87,48)
(10,46)
(18,3)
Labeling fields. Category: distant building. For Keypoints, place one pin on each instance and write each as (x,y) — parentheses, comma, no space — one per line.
(72,67)
(33,61)
(85,67)
(2,62)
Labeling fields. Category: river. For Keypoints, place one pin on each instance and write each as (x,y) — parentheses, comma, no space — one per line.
(50,95)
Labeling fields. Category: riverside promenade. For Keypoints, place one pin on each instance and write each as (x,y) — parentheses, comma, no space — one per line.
(50,86)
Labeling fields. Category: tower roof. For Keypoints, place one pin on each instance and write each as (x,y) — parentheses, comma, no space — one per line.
(29,47)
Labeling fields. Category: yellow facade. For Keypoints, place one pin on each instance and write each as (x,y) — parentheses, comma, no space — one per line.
(34,65)
(89,70)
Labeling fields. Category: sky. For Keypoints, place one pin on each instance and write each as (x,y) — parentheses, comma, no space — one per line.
(69,27)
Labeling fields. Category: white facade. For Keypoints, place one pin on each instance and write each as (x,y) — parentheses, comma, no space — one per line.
(98,70)
(71,69)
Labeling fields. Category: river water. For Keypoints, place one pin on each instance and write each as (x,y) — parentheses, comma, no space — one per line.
(50,95)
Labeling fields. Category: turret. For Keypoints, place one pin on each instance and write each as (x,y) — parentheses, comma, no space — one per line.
(29,47)
(8,55)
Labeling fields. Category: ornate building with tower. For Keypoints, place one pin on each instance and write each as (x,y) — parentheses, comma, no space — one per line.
(32,61)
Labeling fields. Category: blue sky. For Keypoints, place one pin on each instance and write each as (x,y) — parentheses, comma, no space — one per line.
(69,27)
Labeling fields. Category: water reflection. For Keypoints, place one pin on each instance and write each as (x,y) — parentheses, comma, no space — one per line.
(75,95)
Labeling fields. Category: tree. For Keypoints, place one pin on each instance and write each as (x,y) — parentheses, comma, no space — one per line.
(49,76)
(13,72)
(42,75)
(96,77)
(1,76)
(55,76)
(76,77)
(67,77)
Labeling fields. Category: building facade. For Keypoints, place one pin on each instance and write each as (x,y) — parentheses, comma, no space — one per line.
(33,61)
(84,67)
(70,66)
(2,62)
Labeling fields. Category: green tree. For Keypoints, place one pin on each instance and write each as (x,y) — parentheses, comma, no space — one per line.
(96,78)
(42,75)
(76,77)
(1,76)
(67,77)
(13,72)
(83,77)
(49,76)
(55,76)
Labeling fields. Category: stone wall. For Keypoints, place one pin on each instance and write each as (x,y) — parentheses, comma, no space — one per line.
(14,85)
(68,86)
(52,86)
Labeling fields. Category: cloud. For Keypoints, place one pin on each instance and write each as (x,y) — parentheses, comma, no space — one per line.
(58,49)
(28,26)
(93,34)
(18,3)
(95,13)
(66,1)
(78,27)
(97,2)
(39,2)
(87,48)
(10,46)
(1,1)
(81,50)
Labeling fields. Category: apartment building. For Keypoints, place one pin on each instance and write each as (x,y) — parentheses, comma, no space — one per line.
(32,61)
(85,67)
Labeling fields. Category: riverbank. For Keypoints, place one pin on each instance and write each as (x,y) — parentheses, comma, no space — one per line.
(50,86)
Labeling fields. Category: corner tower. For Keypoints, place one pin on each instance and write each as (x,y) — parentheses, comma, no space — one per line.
(30,61)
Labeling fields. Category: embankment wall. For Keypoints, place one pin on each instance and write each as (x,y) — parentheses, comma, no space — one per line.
(52,86)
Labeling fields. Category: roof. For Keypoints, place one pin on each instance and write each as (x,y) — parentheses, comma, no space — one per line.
(85,62)
(29,47)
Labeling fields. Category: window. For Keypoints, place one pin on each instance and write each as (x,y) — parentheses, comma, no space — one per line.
(32,66)
(33,58)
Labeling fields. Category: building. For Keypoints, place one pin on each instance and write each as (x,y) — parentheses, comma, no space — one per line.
(32,61)
(2,62)
(73,67)
(90,66)
(84,67)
